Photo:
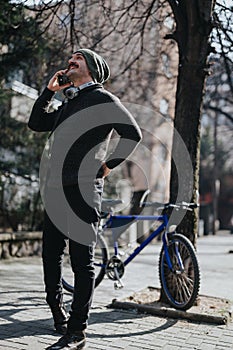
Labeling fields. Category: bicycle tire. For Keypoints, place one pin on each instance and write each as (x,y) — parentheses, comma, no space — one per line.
(180,288)
(101,259)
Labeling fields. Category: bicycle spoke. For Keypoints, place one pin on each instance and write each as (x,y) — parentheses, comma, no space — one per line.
(186,289)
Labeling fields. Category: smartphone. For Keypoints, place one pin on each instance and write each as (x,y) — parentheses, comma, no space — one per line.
(63,79)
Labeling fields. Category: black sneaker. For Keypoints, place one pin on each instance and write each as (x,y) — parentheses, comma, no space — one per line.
(70,342)
(60,317)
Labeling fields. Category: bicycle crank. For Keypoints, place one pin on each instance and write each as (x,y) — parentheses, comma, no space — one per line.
(115,270)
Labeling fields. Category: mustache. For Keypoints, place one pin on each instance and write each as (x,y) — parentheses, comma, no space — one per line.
(73,64)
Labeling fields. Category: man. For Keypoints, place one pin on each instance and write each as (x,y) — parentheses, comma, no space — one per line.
(92,113)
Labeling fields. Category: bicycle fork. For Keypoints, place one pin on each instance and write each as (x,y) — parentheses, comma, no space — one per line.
(177,254)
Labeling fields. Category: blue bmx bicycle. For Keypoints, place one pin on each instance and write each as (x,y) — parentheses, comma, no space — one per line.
(178,265)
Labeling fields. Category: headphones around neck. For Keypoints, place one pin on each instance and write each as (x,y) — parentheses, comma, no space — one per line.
(72,91)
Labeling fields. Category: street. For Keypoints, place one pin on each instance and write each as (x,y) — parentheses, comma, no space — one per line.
(25,321)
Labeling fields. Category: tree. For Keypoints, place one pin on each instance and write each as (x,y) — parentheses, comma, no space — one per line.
(193,28)
(25,54)
(217,120)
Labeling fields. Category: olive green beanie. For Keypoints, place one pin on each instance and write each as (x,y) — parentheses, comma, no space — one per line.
(98,66)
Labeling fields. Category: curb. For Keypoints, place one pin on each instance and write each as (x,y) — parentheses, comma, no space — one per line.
(160,309)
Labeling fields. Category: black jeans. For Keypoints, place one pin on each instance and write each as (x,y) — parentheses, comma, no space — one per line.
(82,263)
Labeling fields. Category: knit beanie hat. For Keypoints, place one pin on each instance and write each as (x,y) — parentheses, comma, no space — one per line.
(98,66)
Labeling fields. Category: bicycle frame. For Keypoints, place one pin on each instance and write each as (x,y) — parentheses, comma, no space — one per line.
(178,265)
(155,233)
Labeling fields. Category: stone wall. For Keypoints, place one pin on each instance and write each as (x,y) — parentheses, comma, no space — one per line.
(20,244)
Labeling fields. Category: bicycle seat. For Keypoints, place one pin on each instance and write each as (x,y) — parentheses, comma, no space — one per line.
(108,204)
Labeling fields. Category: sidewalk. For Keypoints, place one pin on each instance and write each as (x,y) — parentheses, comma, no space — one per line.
(25,321)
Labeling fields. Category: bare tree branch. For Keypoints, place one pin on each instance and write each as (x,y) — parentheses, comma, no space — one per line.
(219,110)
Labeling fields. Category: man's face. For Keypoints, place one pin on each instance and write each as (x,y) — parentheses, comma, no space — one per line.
(77,67)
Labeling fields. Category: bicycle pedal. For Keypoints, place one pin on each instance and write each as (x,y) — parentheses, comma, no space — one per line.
(118,285)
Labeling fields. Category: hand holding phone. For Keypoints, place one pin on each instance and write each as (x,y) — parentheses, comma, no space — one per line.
(59,81)
(63,79)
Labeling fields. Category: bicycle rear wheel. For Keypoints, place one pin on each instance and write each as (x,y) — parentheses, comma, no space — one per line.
(181,283)
(101,259)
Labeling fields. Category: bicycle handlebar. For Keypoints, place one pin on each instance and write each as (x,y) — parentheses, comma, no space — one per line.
(108,204)
(182,205)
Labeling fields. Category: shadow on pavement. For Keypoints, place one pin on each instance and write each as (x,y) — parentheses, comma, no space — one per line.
(25,316)
(119,318)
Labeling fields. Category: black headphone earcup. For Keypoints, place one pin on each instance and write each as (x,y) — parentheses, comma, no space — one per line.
(71,92)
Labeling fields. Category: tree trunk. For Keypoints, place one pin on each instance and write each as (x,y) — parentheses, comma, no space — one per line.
(193,26)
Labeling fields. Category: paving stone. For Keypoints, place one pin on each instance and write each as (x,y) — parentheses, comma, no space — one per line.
(26,323)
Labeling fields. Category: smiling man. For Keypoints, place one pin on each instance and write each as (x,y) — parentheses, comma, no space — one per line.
(86,102)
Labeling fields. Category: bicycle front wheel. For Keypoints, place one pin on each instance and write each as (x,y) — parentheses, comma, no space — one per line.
(181,283)
(100,262)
